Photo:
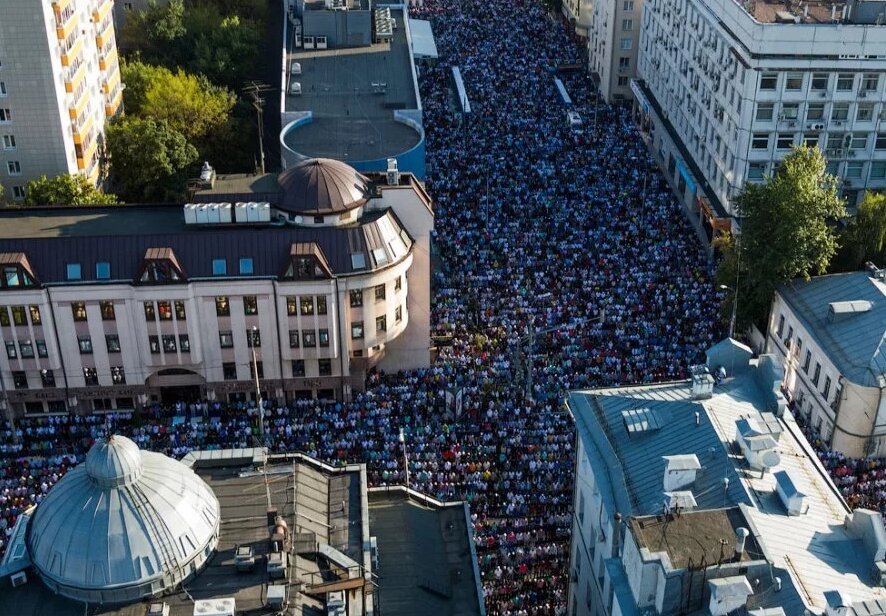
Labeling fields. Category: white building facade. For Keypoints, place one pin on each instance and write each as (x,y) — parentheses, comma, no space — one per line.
(59,83)
(613,46)
(727,88)
(829,334)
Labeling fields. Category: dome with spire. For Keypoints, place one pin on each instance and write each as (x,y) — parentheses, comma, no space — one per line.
(124,525)
(318,186)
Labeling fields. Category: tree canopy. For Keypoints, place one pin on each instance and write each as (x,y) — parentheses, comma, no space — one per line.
(864,238)
(66,189)
(788,230)
(150,159)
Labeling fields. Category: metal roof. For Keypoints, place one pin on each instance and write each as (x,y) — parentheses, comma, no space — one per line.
(124,525)
(854,342)
(322,186)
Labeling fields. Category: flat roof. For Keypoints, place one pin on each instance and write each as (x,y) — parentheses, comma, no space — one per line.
(424,556)
(353,120)
(423,43)
(809,12)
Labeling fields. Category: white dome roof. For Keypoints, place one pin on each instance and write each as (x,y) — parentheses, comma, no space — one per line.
(124,525)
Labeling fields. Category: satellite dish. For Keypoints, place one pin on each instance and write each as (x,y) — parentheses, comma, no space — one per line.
(770,458)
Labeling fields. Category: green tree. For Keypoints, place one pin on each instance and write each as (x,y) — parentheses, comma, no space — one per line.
(864,238)
(149,159)
(787,230)
(227,52)
(66,189)
(156,33)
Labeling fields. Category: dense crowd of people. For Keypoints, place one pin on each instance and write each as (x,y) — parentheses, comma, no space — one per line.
(564,261)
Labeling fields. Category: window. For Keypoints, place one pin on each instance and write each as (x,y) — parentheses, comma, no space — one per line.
(47,378)
(379,292)
(628,5)
(398,314)
(815,111)
(226,339)
(253,338)
(14,167)
(864,113)
(835,141)
(398,283)
(26,349)
(184,343)
(810,140)
(806,361)
(793,81)
(381,324)
(90,375)
(627,25)
(840,112)
(78,310)
(624,63)
(20,380)
(878,169)
(854,170)
(819,81)
(816,374)
(323,335)
(799,346)
(250,305)
(102,270)
(293,339)
(246,266)
(760,141)
(784,141)
(3,88)
(356,298)
(73,271)
(325,367)
(85,344)
(11,351)
(18,192)
(880,142)
(357,330)
(291,305)
(765,111)
(118,375)
(358,260)
(219,267)
(298,367)
(41,348)
(154,344)
(780,329)
(35,314)
(309,338)
(827,388)
(790,111)
(307,305)
(180,313)
(229,371)
(870,82)
(859,141)
(627,43)
(8,142)
(222,307)
(318,220)
(4,316)
(845,81)
(768,81)
(150,315)
(5,116)
(321,304)
(261,369)
(169,345)
(164,309)
(19,317)
(112,342)
(756,171)
(107,310)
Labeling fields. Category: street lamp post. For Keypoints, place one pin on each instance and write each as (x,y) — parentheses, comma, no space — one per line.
(402,439)
(261,418)
(734,306)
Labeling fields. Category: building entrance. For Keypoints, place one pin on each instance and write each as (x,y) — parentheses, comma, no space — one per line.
(179,393)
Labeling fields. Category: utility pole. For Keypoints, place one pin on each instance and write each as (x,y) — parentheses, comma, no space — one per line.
(402,439)
(255,90)
(261,413)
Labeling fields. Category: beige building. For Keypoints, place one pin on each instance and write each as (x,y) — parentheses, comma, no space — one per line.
(613,44)
(830,334)
(59,82)
(578,12)
(323,271)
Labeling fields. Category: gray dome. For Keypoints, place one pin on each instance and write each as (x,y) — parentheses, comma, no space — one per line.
(322,186)
(124,525)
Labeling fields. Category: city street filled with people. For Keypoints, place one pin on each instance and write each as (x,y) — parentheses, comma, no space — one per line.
(562,261)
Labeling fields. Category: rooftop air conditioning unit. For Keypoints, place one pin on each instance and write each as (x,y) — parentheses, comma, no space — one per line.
(18,579)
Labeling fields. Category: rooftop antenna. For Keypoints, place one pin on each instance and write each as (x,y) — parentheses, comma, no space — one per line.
(255,90)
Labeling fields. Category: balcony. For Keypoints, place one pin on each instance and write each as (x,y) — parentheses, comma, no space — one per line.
(62,31)
(108,60)
(102,11)
(81,133)
(76,110)
(74,77)
(71,56)
(86,160)
(60,5)
(105,31)
(113,103)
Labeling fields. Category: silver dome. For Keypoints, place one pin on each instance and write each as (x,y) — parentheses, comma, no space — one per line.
(124,525)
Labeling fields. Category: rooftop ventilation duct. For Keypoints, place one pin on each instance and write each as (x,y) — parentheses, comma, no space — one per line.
(680,472)
(757,444)
(840,311)
(680,500)
(729,594)
(702,383)
(838,603)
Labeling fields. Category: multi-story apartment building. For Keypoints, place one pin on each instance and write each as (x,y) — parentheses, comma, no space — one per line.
(830,334)
(578,12)
(322,272)
(696,498)
(726,88)
(59,83)
(613,45)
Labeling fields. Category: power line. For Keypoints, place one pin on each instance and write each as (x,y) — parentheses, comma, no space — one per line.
(255,90)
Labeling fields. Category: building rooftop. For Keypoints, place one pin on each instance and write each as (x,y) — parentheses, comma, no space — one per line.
(813,553)
(424,556)
(855,340)
(352,94)
(809,12)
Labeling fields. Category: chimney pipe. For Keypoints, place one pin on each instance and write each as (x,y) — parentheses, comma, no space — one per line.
(741,536)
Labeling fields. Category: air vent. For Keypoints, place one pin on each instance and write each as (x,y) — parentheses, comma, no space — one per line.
(641,420)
